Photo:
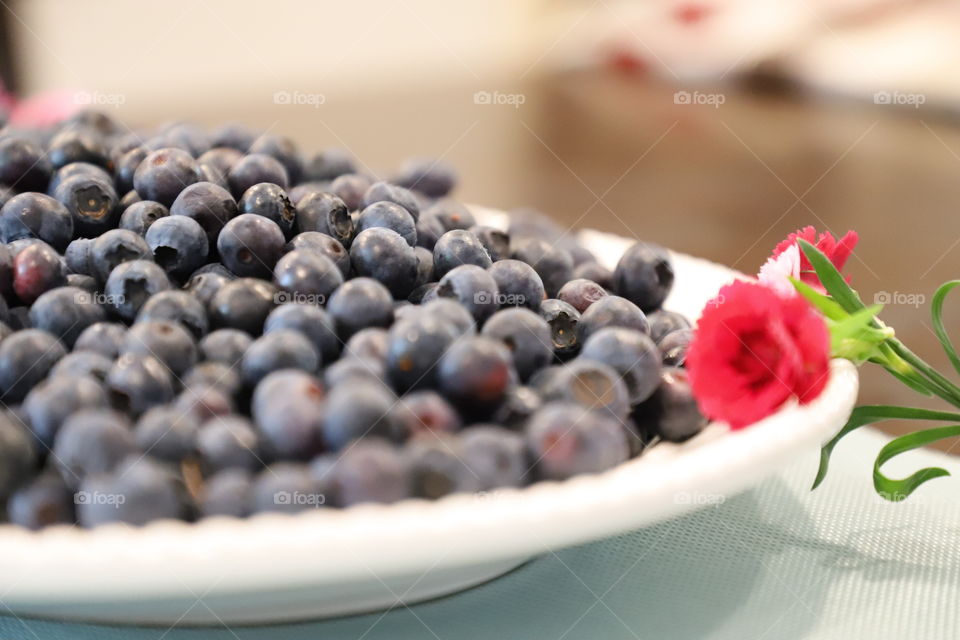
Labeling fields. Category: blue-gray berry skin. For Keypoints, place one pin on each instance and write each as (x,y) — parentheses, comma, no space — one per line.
(225,345)
(114,247)
(66,312)
(281,349)
(526,335)
(453,312)
(283,149)
(452,214)
(595,272)
(37,268)
(438,467)
(425,412)
(474,288)
(83,363)
(179,307)
(429,230)
(414,348)
(43,502)
(208,204)
(228,442)
(55,399)
(105,338)
(360,409)
(325,213)
(140,215)
(77,144)
(495,241)
(218,375)
(592,384)
(515,409)
(77,169)
(312,321)
(671,412)
(18,453)
(348,370)
(371,470)
(644,275)
(92,202)
(475,374)
(563,320)
(179,245)
(125,166)
(204,285)
(270,201)
(288,408)
(381,254)
(632,354)
(552,264)
(204,401)
(424,266)
(163,174)
(458,247)
(131,284)
(91,441)
(385,192)
(496,457)
(369,344)
(227,493)
(166,341)
(390,216)
(674,347)
(36,215)
(167,433)
(250,245)
(87,283)
(325,245)
(76,256)
(307,276)
(287,487)
(329,164)
(519,284)
(243,304)
(138,382)
(611,311)
(564,440)
(430,176)
(350,188)
(663,323)
(580,293)
(25,359)
(139,491)
(253,169)
(360,303)
(23,164)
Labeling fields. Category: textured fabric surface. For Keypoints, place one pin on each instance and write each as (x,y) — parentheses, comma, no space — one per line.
(777,562)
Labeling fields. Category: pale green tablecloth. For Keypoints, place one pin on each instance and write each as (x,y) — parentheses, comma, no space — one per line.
(778,562)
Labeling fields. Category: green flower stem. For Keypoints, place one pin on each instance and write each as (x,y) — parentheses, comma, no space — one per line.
(939,385)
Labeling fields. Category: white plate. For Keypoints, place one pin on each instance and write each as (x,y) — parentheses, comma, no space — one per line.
(328,562)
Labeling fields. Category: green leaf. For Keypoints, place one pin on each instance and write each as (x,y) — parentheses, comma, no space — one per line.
(870,414)
(897,490)
(936,311)
(821,302)
(831,279)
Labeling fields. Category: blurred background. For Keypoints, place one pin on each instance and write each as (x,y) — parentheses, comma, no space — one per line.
(713,127)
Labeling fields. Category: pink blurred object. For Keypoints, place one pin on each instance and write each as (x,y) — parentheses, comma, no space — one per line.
(41,110)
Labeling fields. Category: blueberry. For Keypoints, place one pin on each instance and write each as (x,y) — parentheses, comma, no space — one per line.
(371,471)
(126,167)
(66,312)
(322,244)
(281,349)
(76,144)
(131,284)
(360,303)
(233,136)
(437,467)
(580,294)
(310,320)
(425,412)
(179,245)
(77,169)
(358,410)
(250,245)
(253,169)
(368,344)
(288,407)
(306,277)
(35,215)
(225,345)
(526,335)
(644,275)
(456,314)
(429,230)
(149,491)
(589,383)
(671,412)
(595,272)
(383,255)
(286,487)
(350,188)
(415,347)
(25,359)
(179,307)
(389,216)
(611,311)
(519,284)
(92,203)
(105,338)
(423,294)
(386,192)
(674,347)
(284,150)
(93,120)
(163,174)
(565,440)
(211,373)
(632,354)
(114,247)
(18,454)
(270,201)
(44,502)
(204,285)
(328,165)
(138,382)
(83,363)
(475,374)
(167,433)
(141,214)
(243,304)
(663,322)
(496,242)
(6,271)
(86,283)
(424,266)
(219,160)
(516,408)
(495,456)
(350,370)
(228,493)
(36,270)
(554,265)
(431,177)
(228,442)
(23,165)
(186,136)
(472,287)
(458,247)
(208,204)
(91,441)
(204,401)
(451,214)
(167,341)
(325,213)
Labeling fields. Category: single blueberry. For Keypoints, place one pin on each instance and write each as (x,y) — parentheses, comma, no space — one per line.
(35,215)
(250,245)
(131,284)
(644,275)
(243,304)
(113,248)
(382,254)
(163,174)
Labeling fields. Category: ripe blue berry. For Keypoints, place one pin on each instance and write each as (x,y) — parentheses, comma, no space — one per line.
(644,275)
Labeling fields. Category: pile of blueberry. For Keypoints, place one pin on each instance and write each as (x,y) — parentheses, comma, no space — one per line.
(197,324)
